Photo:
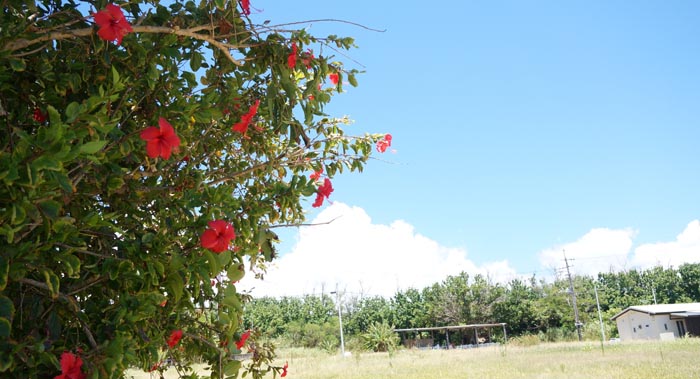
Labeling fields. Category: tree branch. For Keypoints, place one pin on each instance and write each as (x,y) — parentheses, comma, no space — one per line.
(77,33)
(73,303)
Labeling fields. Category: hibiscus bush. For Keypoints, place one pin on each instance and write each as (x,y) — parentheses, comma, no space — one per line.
(149,151)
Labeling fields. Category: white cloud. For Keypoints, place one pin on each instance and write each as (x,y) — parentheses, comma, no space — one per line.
(364,257)
(603,250)
(599,250)
(685,249)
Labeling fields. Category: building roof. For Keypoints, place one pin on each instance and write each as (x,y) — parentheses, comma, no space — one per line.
(662,309)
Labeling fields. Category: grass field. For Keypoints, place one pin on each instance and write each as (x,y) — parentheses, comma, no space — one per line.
(673,359)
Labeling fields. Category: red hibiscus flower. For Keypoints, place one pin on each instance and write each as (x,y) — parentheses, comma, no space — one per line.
(334,78)
(71,365)
(317,174)
(307,58)
(241,342)
(324,191)
(174,338)
(160,141)
(39,116)
(284,369)
(292,58)
(218,236)
(384,143)
(246,119)
(245,6)
(113,25)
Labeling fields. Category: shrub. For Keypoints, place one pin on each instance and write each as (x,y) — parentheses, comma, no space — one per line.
(381,337)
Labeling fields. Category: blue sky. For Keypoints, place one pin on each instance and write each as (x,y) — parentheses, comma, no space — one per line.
(521,128)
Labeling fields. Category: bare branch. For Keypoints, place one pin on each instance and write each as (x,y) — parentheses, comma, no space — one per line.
(313,224)
(326,20)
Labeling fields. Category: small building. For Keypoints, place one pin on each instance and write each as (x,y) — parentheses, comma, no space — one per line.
(658,321)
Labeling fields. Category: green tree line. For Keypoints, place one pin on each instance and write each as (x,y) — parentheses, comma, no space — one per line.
(528,307)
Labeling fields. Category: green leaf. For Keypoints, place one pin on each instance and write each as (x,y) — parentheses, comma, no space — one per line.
(53,282)
(352,80)
(232,367)
(72,111)
(214,267)
(175,286)
(50,208)
(115,75)
(4,272)
(72,264)
(236,272)
(5,327)
(7,308)
(18,64)
(196,60)
(6,361)
(45,162)
(114,183)
(92,147)
(63,181)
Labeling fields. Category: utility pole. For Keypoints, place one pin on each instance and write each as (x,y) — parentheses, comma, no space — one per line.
(573,296)
(600,318)
(340,320)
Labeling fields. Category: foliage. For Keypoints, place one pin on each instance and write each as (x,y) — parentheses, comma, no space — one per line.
(366,311)
(313,335)
(530,308)
(117,158)
(380,336)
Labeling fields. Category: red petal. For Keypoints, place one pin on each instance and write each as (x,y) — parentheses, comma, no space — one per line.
(240,127)
(174,338)
(153,148)
(319,201)
(67,361)
(209,239)
(165,128)
(172,141)
(107,33)
(165,150)
(102,18)
(150,133)
(221,245)
(334,78)
(115,12)
(219,226)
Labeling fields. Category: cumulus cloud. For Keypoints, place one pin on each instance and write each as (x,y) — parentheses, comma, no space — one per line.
(685,249)
(363,257)
(599,250)
(603,250)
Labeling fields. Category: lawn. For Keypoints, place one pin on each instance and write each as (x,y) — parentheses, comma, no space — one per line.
(672,359)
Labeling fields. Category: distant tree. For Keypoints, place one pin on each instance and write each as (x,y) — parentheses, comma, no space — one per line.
(410,309)
(689,277)
(369,310)
(516,308)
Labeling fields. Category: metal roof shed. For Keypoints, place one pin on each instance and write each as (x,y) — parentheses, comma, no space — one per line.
(658,321)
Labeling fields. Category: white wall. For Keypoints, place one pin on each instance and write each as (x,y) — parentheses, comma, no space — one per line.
(634,325)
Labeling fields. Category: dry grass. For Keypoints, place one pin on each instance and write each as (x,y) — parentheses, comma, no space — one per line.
(675,359)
